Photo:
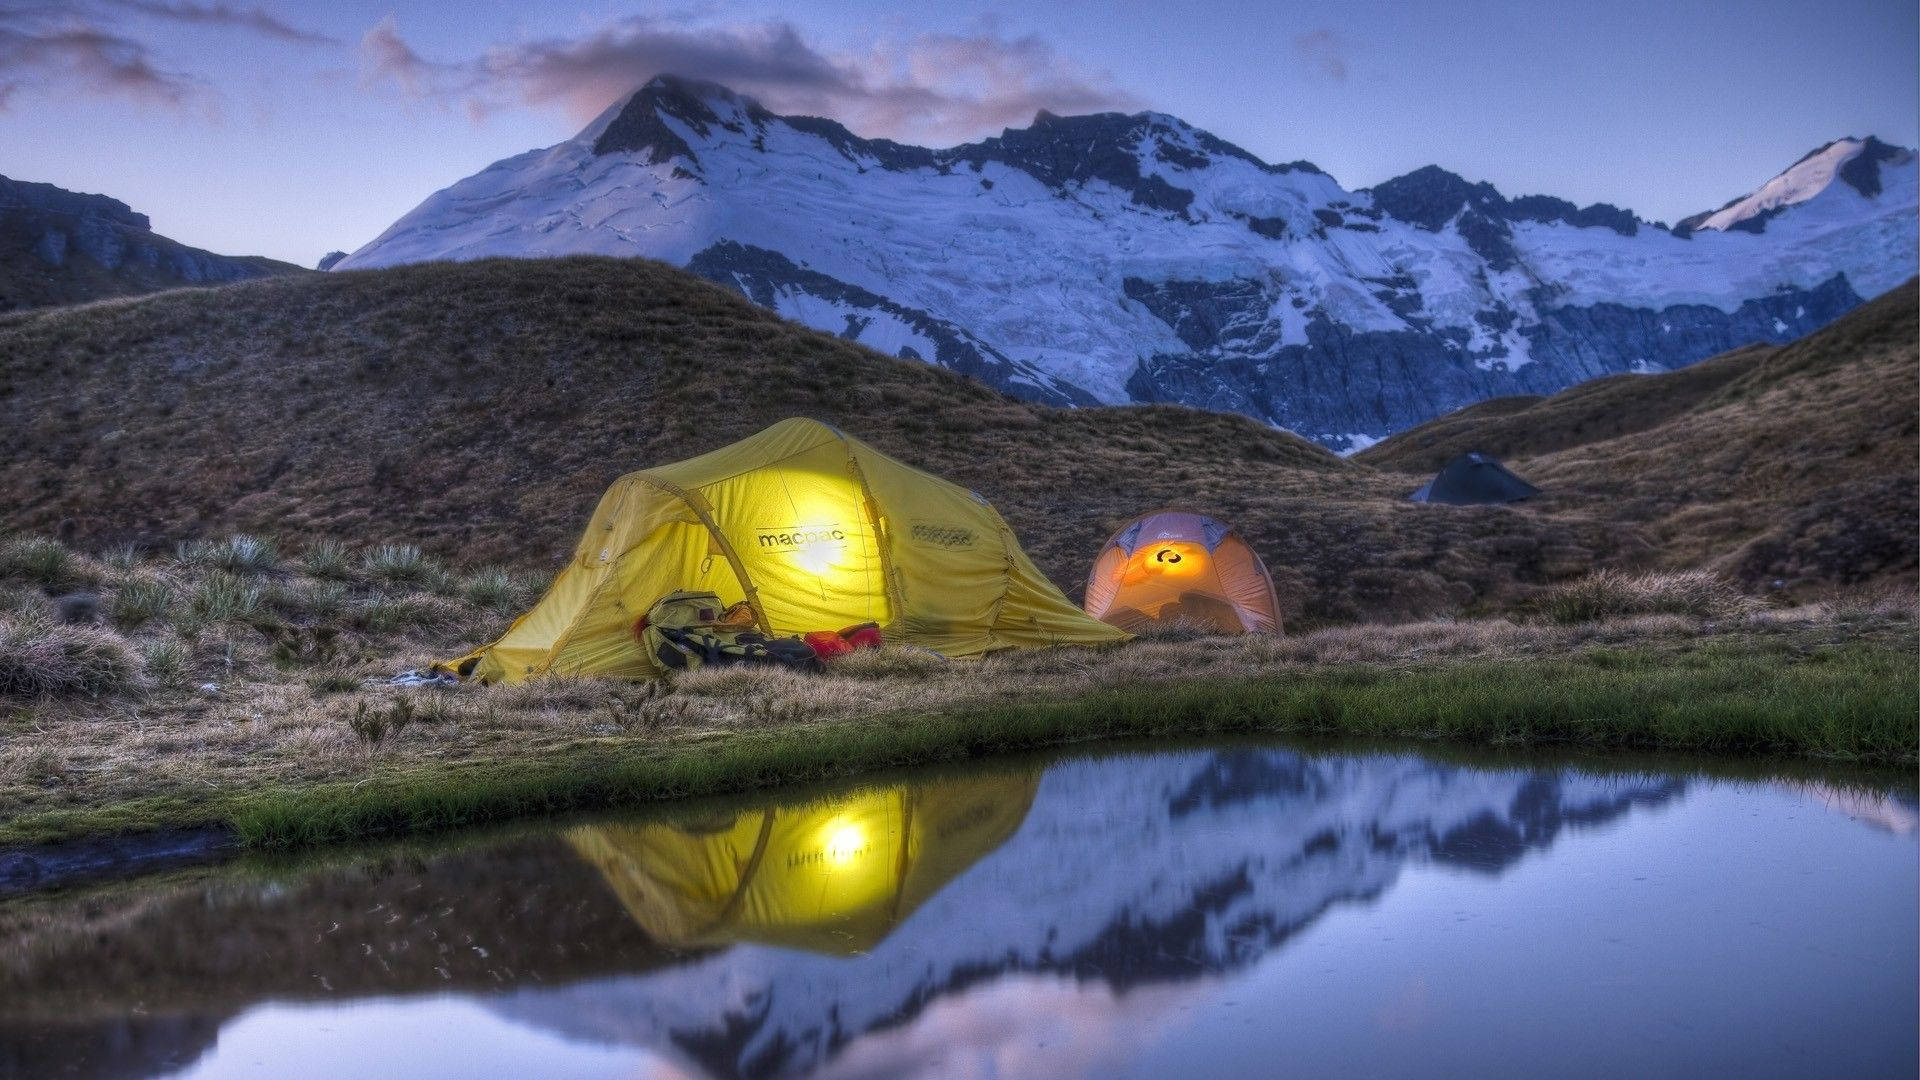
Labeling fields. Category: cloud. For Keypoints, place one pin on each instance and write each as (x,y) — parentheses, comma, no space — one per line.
(925,87)
(94,60)
(385,57)
(254,19)
(1324,50)
(83,44)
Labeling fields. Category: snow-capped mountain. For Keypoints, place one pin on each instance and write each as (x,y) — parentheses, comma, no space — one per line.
(1113,258)
(1130,878)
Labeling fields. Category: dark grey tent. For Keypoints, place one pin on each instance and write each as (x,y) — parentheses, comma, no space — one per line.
(1474,478)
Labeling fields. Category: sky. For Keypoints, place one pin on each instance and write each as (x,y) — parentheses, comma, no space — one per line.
(291,129)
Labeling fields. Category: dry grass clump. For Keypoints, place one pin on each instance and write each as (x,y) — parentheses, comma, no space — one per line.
(890,662)
(41,561)
(1610,594)
(40,657)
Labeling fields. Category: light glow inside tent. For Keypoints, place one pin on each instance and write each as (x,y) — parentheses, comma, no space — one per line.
(1178,569)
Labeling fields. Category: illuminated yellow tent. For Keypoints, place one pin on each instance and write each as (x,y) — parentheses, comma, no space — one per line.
(816,531)
(834,876)
(1173,568)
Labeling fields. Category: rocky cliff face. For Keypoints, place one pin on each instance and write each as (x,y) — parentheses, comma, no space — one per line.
(1114,258)
(59,246)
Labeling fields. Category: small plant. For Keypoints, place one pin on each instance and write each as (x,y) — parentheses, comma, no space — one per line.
(40,657)
(239,553)
(402,564)
(166,662)
(39,560)
(492,589)
(295,646)
(326,559)
(225,597)
(373,725)
(140,601)
(370,725)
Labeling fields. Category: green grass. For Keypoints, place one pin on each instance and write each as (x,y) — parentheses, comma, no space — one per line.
(1854,704)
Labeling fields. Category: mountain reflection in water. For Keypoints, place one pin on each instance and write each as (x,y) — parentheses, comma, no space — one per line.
(874,931)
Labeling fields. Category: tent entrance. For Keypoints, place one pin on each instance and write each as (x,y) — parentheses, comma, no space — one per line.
(807,543)
(1173,583)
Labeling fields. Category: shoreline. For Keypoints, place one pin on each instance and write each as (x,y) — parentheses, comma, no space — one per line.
(1848,704)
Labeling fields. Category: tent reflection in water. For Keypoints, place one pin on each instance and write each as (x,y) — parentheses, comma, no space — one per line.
(814,530)
(1176,569)
(834,876)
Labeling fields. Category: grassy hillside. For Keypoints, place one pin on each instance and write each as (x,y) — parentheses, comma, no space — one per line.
(1777,465)
(479,409)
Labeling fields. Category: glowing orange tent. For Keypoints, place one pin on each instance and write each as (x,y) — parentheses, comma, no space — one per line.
(1175,569)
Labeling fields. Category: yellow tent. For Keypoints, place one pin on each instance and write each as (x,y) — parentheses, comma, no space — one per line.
(835,876)
(816,531)
(1173,568)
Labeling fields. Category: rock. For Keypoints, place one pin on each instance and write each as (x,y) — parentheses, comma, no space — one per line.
(78,609)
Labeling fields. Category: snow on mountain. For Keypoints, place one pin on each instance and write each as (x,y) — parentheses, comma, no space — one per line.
(1113,258)
(1856,162)
(1129,876)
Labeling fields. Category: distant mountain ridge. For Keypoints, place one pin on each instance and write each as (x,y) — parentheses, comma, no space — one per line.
(1113,258)
(63,247)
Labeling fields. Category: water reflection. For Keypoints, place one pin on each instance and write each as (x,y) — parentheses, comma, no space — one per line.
(1125,872)
(834,877)
(1031,921)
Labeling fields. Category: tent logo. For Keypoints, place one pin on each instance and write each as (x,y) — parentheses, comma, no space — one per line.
(937,534)
(794,538)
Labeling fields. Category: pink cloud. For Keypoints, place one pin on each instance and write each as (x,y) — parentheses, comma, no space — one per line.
(924,88)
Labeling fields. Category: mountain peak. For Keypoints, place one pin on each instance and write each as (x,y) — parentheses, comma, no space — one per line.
(636,125)
(1853,161)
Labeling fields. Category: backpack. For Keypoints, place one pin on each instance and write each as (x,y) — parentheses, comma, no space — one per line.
(684,630)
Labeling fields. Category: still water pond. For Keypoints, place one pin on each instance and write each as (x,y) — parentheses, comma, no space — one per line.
(1239,910)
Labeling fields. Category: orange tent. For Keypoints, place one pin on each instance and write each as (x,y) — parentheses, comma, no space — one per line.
(1175,569)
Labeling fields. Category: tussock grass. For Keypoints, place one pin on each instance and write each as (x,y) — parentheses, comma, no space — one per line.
(239,553)
(412,611)
(399,564)
(166,662)
(493,589)
(223,596)
(140,600)
(1610,594)
(40,657)
(41,561)
(122,557)
(327,558)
